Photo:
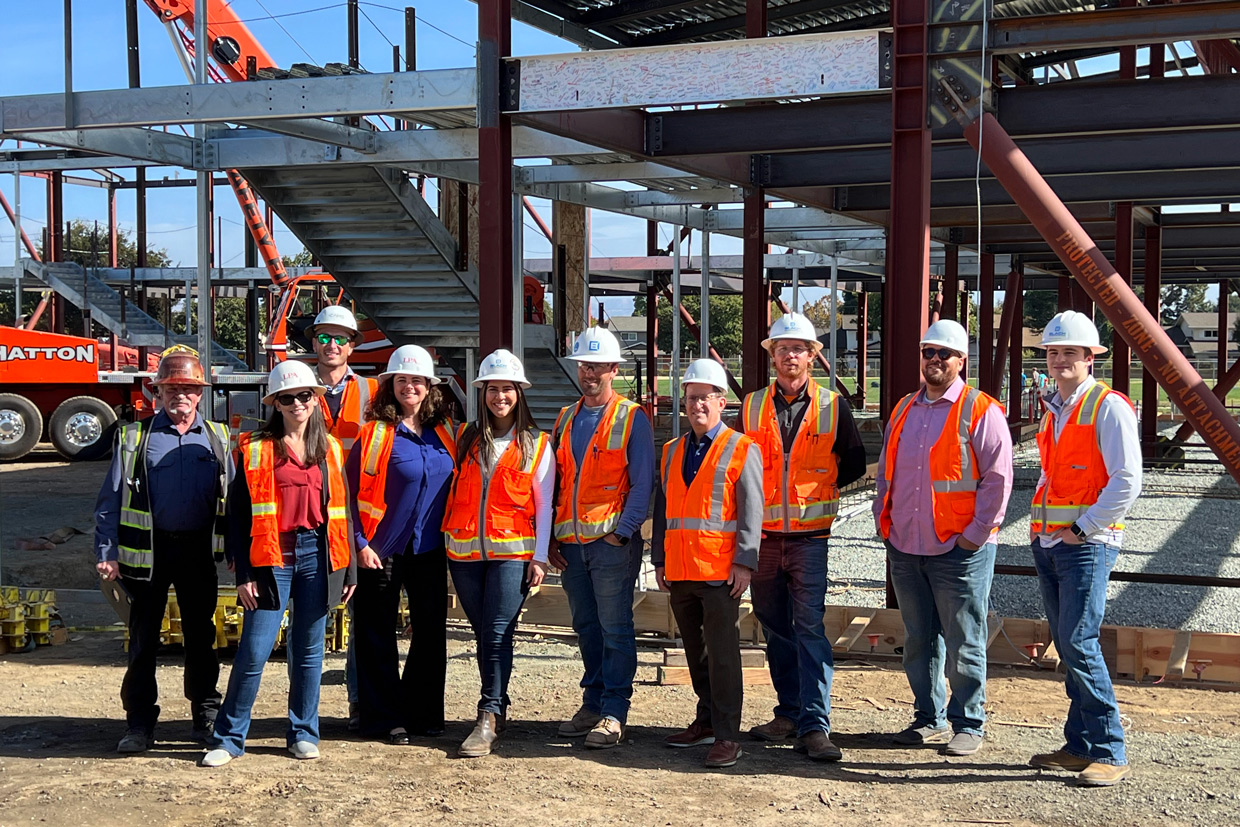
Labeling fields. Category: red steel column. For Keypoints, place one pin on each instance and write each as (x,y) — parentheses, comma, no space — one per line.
(906,291)
(936,304)
(756,304)
(1063,298)
(1008,321)
(1121,306)
(1123,263)
(986,324)
(494,179)
(1223,329)
(1016,351)
(652,326)
(1153,303)
(951,282)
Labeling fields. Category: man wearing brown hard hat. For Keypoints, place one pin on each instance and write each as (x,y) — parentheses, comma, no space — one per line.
(159,524)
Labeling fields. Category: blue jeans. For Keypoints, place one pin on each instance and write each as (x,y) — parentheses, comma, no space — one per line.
(1074,591)
(789,589)
(943,602)
(599,584)
(491,593)
(303,578)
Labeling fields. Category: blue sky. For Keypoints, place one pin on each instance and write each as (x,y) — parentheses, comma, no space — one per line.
(31,62)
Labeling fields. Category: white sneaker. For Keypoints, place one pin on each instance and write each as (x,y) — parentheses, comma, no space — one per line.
(216,758)
(304,750)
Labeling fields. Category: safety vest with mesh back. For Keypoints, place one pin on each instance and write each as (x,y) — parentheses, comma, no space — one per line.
(136,537)
(699,539)
(800,491)
(259,456)
(376,440)
(591,498)
(492,518)
(953,465)
(1075,470)
(353,403)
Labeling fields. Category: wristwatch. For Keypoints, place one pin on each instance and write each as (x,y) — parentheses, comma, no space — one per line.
(624,541)
(1078,531)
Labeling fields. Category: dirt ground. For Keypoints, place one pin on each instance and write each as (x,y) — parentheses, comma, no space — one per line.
(60,719)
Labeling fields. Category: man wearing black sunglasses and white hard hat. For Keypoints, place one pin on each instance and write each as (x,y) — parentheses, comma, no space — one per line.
(944,477)
(335,334)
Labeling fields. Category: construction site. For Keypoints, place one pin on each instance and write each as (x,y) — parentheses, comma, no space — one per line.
(879,165)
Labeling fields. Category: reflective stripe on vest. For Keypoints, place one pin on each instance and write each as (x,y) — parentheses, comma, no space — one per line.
(810,463)
(700,537)
(492,517)
(377,438)
(1074,482)
(603,477)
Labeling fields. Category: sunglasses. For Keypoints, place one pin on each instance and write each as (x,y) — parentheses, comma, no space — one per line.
(943,353)
(289,398)
(325,338)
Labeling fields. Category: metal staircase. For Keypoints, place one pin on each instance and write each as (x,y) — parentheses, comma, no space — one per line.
(104,304)
(378,237)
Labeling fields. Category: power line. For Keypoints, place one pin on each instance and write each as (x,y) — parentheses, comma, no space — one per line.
(286,31)
(422,20)
(291,13)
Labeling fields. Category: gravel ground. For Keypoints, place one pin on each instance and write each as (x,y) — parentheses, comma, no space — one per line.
(1185,522)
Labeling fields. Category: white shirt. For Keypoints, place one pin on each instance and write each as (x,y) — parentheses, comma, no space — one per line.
(1120,445)
(544,492)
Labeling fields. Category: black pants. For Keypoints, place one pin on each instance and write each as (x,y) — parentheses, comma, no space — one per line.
(388,699)
(708,620)
(182,561)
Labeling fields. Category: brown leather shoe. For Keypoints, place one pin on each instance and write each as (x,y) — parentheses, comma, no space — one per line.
(817,745)
(777,729)
(482,739)
(1102,775)
(1059,760)
(698,733)
(723,754)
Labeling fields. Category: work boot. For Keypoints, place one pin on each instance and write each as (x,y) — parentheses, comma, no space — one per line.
(582,722)
(482,739)
(777,729)
(1102,775)
(1059,760)
(607,733)
(963,743)
(355,716)
(203,731)
(817,745)
(136,740)
(919,736)
(723,754)
(697,733)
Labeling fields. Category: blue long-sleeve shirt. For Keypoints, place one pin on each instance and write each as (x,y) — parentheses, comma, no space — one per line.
(416,493)
(640,455)
(182,483)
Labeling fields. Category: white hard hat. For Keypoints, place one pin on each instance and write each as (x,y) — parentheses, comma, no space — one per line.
(596,344)
(338,316)
(501,366)
(706,372)
(411,360)
(793,326)
(1072,328)
(947,333)
(290,376)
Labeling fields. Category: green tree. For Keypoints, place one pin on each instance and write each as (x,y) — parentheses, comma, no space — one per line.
(1040,307)
(1178,299)
(819,313)
(303,259)
(725,324)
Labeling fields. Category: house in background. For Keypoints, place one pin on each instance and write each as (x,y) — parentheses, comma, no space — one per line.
(631,331)
(1197,335)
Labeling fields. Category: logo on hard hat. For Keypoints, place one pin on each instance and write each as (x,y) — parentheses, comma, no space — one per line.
(792,323)
(576,346)
(1056,329)
(594,346)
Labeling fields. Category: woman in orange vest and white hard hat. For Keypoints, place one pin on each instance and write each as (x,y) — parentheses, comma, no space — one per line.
(288,537)
(497,529)
(400,468)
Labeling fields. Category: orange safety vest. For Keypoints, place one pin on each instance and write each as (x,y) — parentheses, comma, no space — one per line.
(800,490)
(1075,470)
(355,400)
(592,497)
(260,476)
(953,465)
(699,540)
(376,439)
(498,509)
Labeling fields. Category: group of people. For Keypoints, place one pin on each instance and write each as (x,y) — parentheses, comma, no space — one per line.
(361,489)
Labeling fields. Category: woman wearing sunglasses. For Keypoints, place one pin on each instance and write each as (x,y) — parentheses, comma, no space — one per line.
(289,538)
(497,526)
(400,467)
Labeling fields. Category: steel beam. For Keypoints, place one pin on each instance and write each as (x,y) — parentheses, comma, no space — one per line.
(571,173)
(755,302)
(126,142)
(325,132)
(74,163)
(495,201)
(1123,264)
(1153,305)
(986,325)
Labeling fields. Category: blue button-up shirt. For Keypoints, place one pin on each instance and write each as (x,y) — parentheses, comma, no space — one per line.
(416,493)
(695,451)
(182,484)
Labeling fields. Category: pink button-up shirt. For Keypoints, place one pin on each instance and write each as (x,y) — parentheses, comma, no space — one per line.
(912,512)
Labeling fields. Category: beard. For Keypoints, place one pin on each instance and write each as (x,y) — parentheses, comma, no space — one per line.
(938,377)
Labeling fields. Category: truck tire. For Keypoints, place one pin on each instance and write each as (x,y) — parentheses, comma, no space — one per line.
(21,426)
(81,428)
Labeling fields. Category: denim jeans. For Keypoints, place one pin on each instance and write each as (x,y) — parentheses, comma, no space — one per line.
(789,589)
(943,602)
(1074,591)
(491,593)
(599,584)
(303,578)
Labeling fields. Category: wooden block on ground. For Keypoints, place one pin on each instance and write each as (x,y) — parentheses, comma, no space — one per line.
(679,676)
(1050,657)
(750,658)
(1177,660)
(856,628)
